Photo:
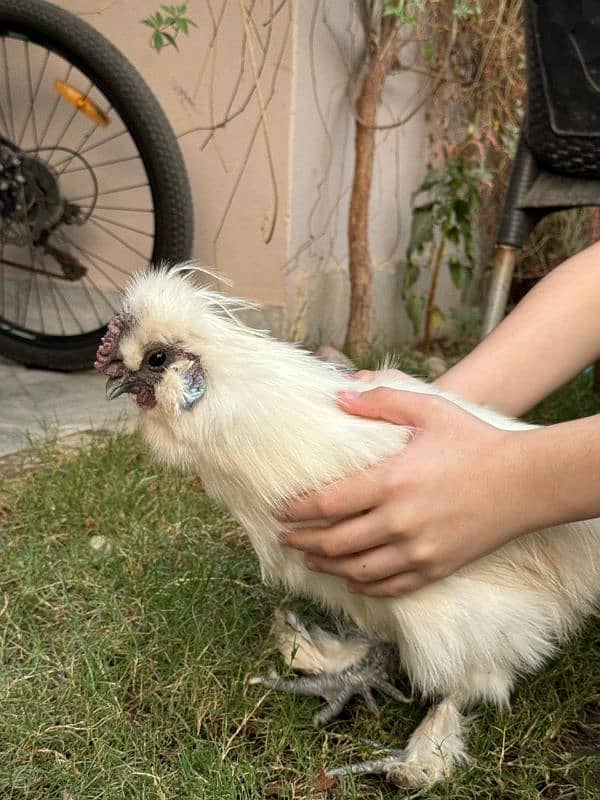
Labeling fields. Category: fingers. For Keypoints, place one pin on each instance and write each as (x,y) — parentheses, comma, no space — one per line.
(369,376)
(366,375)
(396,405)
(366,567)
(343,498)
(390,587)
(350,536)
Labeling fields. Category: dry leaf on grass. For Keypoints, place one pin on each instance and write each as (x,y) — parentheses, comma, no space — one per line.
(323,783)
(273,789)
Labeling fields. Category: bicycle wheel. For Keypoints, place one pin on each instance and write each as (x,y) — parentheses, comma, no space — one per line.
(92,184)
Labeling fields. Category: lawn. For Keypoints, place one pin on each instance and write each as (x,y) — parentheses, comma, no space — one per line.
(124,658)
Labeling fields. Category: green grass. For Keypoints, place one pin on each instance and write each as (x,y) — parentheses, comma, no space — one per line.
(122,670)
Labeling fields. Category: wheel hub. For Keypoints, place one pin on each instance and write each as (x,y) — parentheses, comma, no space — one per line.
(30,200)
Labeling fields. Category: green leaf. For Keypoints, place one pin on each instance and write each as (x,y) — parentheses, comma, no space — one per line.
(157,41)
(456,271)
(467,277)
(437,318)
(170,39)
(415,306)
(432,179)
(463,210)
(427,51)
(399,10)
(466,10)
(148,22)
(182,25)
(411,275)
(453,234)
(422,227)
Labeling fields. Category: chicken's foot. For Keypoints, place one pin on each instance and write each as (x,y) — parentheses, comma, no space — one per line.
(390,758)
(340,668)
(434,749)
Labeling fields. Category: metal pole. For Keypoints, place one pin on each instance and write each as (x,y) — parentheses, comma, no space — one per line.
(505,259)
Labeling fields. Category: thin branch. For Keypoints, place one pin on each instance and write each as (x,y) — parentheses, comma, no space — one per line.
(271,17)
(95,11)
(231,115)
(264,123)
(430,93)
(275,75)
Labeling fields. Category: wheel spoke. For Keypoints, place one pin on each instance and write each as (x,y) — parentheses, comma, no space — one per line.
(77,150)
(122,225)
(23,312)
(94,257)
(117,238)
(52,293)
(94,146)
(11,116)
(3,281)
(54,107)
(109,163)
(66,304)
(33,93)
(66,127)
(122,208)
(110,191)
(32,254)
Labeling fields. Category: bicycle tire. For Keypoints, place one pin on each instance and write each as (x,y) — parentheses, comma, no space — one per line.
(75,40)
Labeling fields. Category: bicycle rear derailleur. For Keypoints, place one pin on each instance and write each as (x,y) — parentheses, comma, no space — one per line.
(31,208)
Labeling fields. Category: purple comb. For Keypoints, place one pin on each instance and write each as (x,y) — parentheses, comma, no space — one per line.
(107,357)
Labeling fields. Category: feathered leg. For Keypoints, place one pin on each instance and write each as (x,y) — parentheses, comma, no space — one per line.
(339,668)
(433,750)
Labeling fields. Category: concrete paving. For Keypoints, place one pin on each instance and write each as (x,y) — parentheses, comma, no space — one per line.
(34,401)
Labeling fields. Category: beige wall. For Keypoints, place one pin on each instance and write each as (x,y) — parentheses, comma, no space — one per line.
(305,132)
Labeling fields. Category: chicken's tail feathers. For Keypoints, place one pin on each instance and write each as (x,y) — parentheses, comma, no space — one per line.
(313,650)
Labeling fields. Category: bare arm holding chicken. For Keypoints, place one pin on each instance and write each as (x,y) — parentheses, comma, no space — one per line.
(460,490)
(463,488)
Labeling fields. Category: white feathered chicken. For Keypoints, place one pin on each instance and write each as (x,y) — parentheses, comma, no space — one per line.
(258,420)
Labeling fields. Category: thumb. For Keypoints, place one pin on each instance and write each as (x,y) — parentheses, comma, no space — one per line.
(395,405)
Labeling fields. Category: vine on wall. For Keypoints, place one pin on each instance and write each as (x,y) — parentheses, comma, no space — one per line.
(469,56)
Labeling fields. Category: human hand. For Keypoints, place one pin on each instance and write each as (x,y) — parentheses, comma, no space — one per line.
(453,495)
(369,376)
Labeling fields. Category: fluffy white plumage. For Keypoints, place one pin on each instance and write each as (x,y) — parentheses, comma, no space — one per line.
(268,428)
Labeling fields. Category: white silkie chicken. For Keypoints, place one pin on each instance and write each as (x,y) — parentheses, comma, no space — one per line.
(257,419)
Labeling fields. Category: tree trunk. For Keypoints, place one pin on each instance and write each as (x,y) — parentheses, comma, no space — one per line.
(360,323)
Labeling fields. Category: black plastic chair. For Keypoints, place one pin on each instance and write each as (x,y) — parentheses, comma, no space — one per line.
(557,163)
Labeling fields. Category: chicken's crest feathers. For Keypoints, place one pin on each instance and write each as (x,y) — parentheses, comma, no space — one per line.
(173,292)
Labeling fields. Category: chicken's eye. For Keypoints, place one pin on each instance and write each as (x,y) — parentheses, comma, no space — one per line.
(157,359)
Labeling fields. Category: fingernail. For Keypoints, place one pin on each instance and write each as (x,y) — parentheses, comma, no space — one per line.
(283,537)
(347,397)
(351,588)
(310,563)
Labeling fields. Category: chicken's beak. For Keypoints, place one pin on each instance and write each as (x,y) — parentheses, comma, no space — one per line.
(117,386)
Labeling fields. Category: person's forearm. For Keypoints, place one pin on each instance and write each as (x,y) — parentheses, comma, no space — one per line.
(557,469)
(551,335)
